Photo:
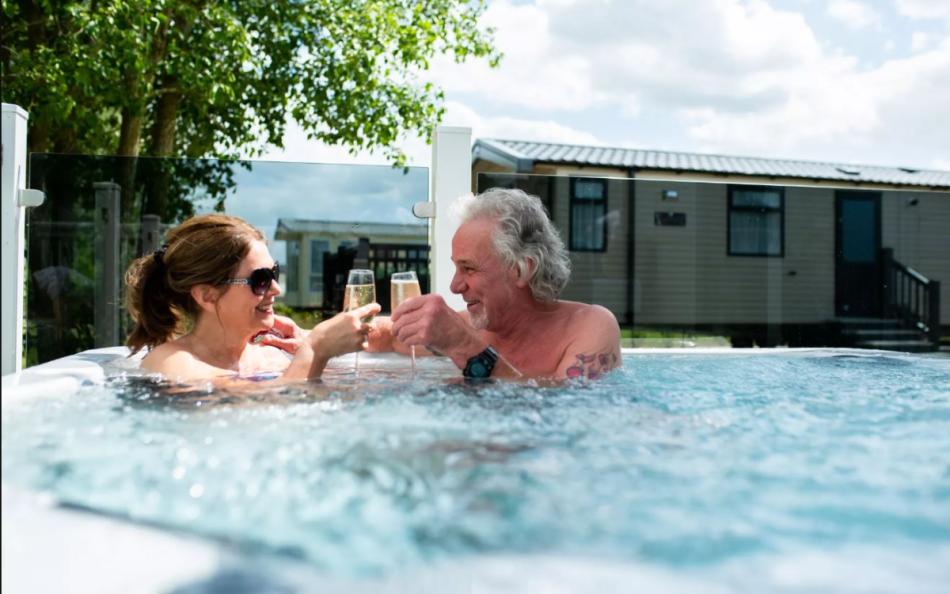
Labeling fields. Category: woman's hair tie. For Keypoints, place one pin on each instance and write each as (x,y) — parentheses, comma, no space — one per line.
(159,254)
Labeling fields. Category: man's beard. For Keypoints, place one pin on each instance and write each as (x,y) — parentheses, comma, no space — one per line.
(479,320)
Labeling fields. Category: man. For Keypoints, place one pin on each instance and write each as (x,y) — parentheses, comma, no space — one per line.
(510,267)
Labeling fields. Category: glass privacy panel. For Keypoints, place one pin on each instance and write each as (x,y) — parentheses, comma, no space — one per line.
(718,264)
(102,212)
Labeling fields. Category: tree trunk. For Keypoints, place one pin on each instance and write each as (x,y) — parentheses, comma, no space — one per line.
(131,133)
(166,118)
(128,153)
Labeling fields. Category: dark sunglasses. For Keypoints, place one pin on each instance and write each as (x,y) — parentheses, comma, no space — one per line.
(259,281)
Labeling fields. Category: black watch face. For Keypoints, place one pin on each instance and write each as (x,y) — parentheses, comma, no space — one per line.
(481,365)
(478,369)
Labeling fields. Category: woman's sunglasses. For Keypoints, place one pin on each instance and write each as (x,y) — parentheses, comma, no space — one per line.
(259,281)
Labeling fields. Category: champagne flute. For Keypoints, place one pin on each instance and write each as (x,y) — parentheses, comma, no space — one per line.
(360,291)
(405,285)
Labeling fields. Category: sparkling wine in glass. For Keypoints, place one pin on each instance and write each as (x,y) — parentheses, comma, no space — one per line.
(360,291)
(405,285)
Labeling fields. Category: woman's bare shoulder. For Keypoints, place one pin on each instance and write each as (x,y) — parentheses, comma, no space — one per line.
(173,360)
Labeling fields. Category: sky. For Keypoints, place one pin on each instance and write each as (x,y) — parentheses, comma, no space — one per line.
(846,81)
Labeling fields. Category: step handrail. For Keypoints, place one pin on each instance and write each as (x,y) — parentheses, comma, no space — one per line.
(910,296)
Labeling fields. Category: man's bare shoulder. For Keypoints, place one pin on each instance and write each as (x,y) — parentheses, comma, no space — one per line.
(594,346)
(586,315)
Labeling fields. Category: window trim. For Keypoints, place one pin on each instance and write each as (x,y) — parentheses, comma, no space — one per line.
(511,183)
(312,241)
(574,200)
(731,190)
(293,264)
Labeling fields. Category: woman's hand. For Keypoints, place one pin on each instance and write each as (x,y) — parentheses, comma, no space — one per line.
(285,335)
(343,333)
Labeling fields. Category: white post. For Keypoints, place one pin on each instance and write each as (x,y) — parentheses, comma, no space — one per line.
(15,200)
(451,179)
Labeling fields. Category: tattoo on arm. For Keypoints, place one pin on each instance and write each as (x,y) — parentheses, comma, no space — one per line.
(592,366)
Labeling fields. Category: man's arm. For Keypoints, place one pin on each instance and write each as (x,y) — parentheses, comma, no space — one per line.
(427,321)
(596,349)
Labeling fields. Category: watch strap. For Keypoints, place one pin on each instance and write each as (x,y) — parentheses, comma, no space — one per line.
(482,364)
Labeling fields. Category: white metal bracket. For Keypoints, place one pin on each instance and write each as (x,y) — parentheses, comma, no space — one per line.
(29,198)
(424,210)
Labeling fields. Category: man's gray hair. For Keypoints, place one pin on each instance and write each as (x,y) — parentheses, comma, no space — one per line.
(524,232)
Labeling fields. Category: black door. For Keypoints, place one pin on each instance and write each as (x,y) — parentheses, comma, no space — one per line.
(857,253)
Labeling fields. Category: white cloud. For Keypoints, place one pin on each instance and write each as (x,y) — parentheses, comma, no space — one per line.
(920,40)
(535,72)
(853,14)
(924,9)
(297,148)
(573,57)
(728,76)
(846,115)
(458,114)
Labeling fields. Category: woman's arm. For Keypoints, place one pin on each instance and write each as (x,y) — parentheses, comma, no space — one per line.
(343,333)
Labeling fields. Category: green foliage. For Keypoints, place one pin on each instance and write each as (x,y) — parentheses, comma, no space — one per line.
(305,318)
(222,77)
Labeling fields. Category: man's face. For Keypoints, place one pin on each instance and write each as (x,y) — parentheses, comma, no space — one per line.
(481,278)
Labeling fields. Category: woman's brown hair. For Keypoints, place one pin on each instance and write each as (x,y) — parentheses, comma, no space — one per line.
(203,250)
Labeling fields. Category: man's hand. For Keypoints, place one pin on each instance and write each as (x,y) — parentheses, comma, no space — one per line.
(427,321)
(285,335)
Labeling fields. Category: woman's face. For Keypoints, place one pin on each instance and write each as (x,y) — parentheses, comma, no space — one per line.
(239,308)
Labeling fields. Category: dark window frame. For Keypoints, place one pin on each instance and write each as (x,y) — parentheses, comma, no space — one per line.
(730,208)
(587,201)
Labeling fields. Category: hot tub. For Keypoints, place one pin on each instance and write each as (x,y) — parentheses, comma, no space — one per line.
(800,470)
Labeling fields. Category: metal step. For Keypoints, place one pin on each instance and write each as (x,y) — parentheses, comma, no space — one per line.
(868,322)
(883,333)
(906,346)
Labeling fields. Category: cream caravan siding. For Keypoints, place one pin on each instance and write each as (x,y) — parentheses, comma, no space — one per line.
(482,166)
(598,277)
(684,275)
(920,236)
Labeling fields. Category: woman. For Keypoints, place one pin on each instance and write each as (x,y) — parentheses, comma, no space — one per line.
(201,301)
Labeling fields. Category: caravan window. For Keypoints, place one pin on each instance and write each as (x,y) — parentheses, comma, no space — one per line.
(293,264)
(756,221)
(317,249)
(588,215)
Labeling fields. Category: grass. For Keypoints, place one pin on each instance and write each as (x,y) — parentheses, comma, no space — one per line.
(305,318)
(637,337)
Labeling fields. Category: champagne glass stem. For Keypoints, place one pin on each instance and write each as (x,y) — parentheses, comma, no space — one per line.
(412,350)
(357,367)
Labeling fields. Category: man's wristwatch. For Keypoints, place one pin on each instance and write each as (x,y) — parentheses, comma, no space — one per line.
(482,364)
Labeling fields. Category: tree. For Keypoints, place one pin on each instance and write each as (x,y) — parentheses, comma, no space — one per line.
(221,77)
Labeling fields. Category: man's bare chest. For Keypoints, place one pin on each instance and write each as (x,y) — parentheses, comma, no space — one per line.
(536,355)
